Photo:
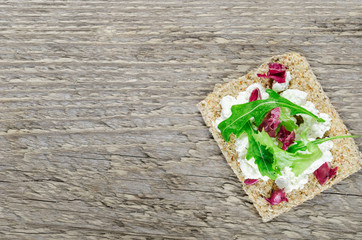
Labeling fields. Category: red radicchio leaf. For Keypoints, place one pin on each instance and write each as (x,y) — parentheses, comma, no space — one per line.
(324,173)
(250,181)
(286,137)
(333,172)
(271,122)
(255,95)
(276,72)
(277,197)
(275,68)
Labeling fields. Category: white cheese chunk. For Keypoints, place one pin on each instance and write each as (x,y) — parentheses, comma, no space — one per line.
(241,145)
(315,129)
(250,169)
(252,87)
(279,87)
(295,96)
(288,181)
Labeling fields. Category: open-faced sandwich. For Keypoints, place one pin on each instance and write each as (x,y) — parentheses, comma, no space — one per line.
(280,134)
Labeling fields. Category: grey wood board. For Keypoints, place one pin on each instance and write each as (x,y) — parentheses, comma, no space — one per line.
(99,131)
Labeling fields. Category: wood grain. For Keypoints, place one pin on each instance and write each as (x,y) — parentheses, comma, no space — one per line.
(99,131)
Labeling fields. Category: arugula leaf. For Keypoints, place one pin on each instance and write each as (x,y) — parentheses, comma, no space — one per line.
(263,158)
(299,162)
(319,141)
(242,113)
(300,146)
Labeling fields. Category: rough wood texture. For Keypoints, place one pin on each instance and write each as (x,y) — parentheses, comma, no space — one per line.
(100,135)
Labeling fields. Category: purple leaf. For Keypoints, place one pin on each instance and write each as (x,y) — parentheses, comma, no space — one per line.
(275,68)
(255,95)
(286,137)
(250,181)
(271,122)
(276,72)
(324,173)
(277,197)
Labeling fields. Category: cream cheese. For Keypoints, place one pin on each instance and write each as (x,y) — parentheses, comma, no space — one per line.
(295,96)
(287,180)
(278,87)
(248,167)
(315,129)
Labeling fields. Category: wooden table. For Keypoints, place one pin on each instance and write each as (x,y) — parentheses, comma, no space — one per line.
(100,134)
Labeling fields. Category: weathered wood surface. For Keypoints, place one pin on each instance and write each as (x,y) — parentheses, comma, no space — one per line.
(100,135)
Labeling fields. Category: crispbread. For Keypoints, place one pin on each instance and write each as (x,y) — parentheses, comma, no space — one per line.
(345,151)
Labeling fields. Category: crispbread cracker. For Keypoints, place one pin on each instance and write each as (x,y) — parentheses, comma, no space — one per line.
(345,151)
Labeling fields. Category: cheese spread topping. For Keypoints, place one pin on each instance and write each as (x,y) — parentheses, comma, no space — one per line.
(287,180)
(278,87)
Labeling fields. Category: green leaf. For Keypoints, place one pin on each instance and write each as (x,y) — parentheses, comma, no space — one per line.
(319,141)
(242,113)
(282,158)
(286,120)
(303,161)
(299,162)
(300,146)
(263,158)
